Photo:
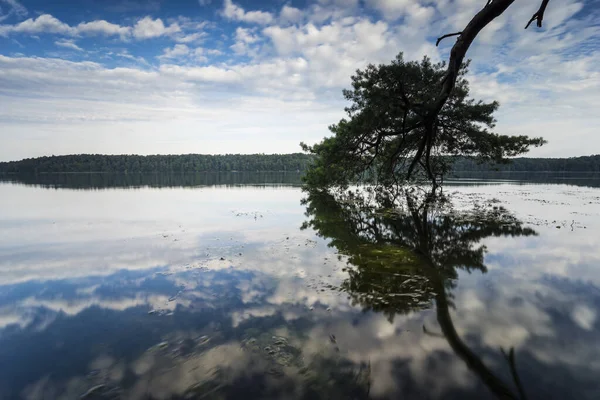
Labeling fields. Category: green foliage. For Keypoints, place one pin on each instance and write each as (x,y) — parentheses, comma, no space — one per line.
(389,125)
(159,163)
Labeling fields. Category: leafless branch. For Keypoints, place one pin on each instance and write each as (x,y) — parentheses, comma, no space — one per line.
(437,42)
(539,15)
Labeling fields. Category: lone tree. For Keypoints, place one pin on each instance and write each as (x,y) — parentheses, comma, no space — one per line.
(409,117)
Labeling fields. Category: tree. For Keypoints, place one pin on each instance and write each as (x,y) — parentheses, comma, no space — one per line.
(417,107)
(388,119)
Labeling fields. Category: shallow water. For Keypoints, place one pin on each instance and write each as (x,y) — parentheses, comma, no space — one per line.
(217,290)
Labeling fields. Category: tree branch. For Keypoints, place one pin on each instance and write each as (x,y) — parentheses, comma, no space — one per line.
(417,156)
(539,15)
(490,12)
(437,42)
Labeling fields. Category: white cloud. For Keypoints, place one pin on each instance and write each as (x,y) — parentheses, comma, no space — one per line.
(176,51)
(244,39)
(147,28)
(69,44)
(102,27)
(192,37)
(245,35)
(199,54)
(291,14)
(234,12)
(209,74)
(44,23)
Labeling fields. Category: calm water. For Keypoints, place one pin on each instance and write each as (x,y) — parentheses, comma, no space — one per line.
(246,287)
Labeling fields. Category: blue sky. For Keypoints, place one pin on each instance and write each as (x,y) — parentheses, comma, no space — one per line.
(225,76)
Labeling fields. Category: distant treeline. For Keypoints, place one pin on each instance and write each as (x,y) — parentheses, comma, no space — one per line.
(188,163)
(574,164)
(158,163)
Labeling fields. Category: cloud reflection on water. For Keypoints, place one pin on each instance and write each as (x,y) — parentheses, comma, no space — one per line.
(66,281)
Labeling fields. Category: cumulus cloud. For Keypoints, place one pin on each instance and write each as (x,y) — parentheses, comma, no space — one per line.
(290,14)
(102,27)
(147,28)
(245,35)
(234,12)
(244,39)
(176,51)
(44,23)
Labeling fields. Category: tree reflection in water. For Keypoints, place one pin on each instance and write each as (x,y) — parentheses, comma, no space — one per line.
(405,248)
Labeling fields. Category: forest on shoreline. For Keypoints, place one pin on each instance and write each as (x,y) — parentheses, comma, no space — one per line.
(295,162)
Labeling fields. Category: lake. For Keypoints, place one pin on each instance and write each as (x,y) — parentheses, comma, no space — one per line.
(244,286)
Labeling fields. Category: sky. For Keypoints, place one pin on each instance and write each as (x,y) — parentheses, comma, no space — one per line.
(241,76)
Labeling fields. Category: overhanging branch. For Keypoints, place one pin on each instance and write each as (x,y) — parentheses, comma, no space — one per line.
(539,15)
(490,12)
(437,42)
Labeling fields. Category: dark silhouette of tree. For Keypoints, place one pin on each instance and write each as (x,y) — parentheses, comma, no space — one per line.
(404,250)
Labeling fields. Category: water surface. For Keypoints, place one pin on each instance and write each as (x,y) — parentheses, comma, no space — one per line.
(213,288)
